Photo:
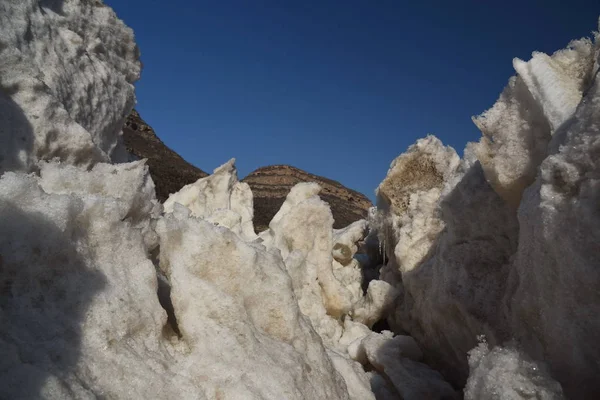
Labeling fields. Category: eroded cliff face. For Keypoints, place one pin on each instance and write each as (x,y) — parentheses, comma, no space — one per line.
(504,243)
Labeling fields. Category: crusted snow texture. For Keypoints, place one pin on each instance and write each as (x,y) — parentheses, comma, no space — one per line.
(503,242)
(302,235)
(453,282)
(477,250)
(79,308)
(395,361)
(345,241)
(376,304)
(302,231)
(237,330)
(66,75)
(327,291)
(505,373)
(382,388)
(85,311)
(220,196)
(238,316)
(553,299)
(357,381)
(139,201)
(82,317)
(517,129)
(410,190)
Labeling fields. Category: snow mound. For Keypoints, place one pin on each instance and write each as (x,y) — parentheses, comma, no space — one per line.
(106,293)
(221,196)
(81,308)
(79,300)
(67,70)
(504,243)
(505,373)
(536,102)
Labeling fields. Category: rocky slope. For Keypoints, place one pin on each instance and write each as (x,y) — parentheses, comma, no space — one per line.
(169,171)
(270,186)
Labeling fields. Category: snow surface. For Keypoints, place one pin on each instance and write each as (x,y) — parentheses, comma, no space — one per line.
(106,293)
(67,70)
(506,373)
(536,102)
(505,242)
(221,197)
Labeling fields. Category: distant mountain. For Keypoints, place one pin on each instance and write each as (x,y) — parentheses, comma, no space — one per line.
(270,185)
(169,171)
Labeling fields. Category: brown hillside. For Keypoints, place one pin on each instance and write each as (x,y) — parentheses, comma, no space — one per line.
(169,171)
(270,185)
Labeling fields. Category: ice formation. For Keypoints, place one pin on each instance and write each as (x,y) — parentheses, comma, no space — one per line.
(219,196)
(505,242)
(67,70)
(81,309)
(107,293)
(507,373)
(536,102)
(242,323)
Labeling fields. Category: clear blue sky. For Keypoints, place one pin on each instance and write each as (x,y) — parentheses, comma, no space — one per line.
(337,88)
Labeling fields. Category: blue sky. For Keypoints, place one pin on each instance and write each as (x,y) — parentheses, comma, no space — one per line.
(337,88)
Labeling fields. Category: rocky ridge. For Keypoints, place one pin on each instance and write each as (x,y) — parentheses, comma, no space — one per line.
(169,171)
(270,185)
